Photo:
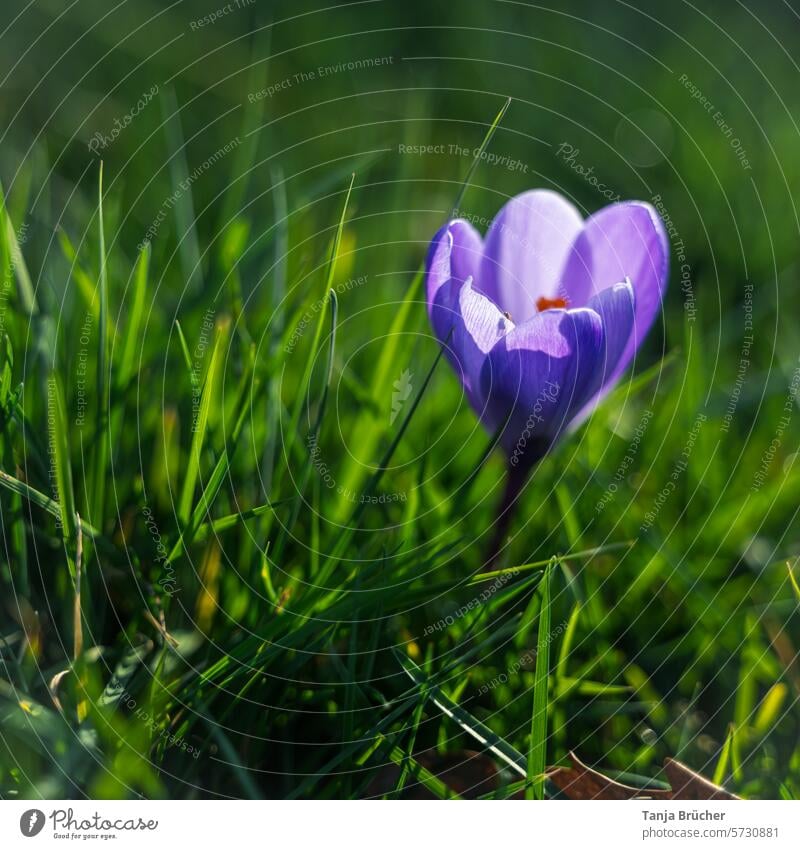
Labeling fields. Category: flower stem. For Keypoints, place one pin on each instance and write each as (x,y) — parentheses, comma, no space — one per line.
(516,479)
(515,483)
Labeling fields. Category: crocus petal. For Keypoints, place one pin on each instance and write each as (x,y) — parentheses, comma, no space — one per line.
(624,240)
(526,249)
(616,307)
(454,254)
(469,325)
(539,375)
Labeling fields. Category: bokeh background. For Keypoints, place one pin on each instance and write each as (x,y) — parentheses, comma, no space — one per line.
(228,134)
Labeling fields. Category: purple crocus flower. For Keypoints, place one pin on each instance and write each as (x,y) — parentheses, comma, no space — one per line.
(541,317)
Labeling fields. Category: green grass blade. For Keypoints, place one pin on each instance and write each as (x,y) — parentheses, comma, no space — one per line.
(231,757)
(286,528)
(588,554)
(100,455)
(53,507)
(132,343)
(793,580)
(368,431)
(188,243)
(232,520)
(277,307)
(221,467)
(187,357)
(478,156)
(59,446)
(373,736)
(468,723)
(412,767)
(6,270)
(566,643)
(86,286)
(302,387)
(406,760)
(721,769)
(537,750)
(209,394)
(252,118)
(13,254)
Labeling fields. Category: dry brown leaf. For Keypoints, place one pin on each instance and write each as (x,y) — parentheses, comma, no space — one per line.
(582,782)
(470,774)
(688,784)
(467,773)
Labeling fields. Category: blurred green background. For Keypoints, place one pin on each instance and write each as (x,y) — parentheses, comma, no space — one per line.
(696,106)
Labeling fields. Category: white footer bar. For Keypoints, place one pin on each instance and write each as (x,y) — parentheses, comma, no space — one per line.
(402,824)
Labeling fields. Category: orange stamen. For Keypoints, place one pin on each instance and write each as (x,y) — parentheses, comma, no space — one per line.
(543,303)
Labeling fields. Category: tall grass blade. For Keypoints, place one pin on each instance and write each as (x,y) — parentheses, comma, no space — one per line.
(314,432)
(14,259)
(478,156)
(537,750)
(468,723)
(132,343)
(100,453)
(588,554)
(210,491)
(59,447)
(277,307)
(302,388)
(188,243)
(209,394)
